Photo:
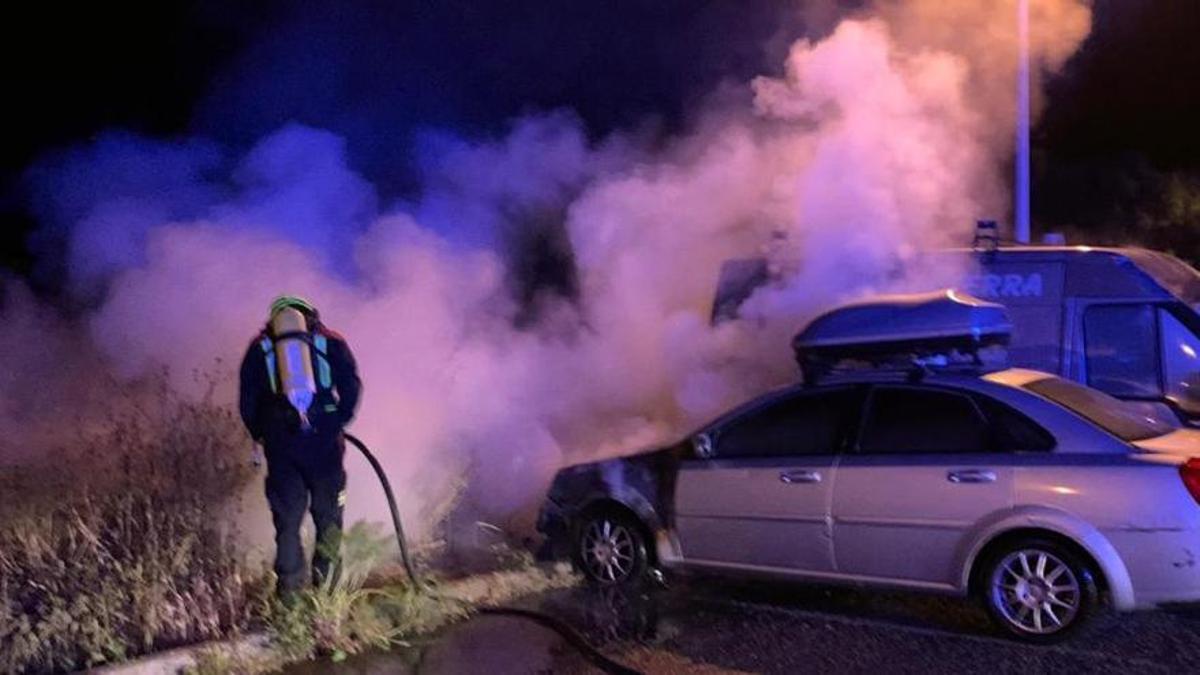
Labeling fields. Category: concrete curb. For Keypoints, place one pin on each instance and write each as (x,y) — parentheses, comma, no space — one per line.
(251,646)
(492,588)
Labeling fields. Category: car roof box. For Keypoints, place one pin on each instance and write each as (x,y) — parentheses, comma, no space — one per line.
(911,332)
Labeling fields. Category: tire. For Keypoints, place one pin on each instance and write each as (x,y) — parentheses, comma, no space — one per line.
(611,549)
(1037,590)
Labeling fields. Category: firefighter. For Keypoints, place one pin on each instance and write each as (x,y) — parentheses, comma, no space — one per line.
(299,388)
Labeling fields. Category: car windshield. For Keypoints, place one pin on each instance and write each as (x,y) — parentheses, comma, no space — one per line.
(1126,421)
(1171,273)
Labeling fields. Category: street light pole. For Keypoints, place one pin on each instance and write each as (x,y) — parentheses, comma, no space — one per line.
(1021,180)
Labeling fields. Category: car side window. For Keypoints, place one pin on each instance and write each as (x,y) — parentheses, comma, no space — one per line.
(912,420)
(806,423)
(1011,431)
(1121,346)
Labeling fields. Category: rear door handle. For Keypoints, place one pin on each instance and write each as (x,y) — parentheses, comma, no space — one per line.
(971,476)
(800,476)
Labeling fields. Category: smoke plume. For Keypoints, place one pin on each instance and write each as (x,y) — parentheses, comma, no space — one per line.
(486,368)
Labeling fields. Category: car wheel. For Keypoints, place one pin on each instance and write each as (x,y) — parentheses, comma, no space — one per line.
(1038,590)
(611,549)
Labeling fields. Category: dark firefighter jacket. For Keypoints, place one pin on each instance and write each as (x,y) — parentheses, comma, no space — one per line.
(269,417)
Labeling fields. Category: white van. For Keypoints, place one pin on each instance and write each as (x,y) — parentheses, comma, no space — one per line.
(1121,320)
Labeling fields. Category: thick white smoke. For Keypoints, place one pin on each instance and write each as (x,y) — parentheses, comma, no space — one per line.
(885,137)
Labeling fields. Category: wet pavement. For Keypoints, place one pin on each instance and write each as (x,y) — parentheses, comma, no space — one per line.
(706,625)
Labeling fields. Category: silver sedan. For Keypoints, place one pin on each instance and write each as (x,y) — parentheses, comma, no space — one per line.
(1037,495)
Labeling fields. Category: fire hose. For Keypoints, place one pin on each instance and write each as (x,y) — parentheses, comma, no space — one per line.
(572,636)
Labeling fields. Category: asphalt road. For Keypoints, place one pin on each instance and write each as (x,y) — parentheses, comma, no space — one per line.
(710,626)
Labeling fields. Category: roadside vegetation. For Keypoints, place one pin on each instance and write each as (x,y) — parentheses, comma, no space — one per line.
(120,545)
(347,615)
(1122,202)
(123,544)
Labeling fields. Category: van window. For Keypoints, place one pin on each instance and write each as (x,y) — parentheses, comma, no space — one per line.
(1181,362)
(1124,420)
(1121,347)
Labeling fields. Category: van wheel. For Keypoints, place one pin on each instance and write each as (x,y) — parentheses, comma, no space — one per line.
(1037,590)
(611,549)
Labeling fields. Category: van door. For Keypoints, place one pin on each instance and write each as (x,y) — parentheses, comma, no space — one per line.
(1141,352)
(1121,350)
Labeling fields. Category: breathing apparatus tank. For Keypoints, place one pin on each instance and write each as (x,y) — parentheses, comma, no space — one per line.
(293,354)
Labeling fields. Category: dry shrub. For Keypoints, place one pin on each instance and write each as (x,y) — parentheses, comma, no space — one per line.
(120,545)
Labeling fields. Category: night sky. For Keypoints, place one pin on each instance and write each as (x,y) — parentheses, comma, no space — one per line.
(1123,120)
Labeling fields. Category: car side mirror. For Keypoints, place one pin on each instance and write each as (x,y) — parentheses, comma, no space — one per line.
(1172,409)
(1169,411)
(1190,403)
(702,445)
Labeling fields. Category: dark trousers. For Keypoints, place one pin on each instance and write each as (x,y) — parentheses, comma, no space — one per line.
(305,473)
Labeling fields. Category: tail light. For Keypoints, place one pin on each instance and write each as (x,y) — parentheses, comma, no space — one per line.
(1190,472)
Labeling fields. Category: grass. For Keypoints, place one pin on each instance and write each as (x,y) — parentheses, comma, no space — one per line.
(119,546)
(344,616)
(348,615)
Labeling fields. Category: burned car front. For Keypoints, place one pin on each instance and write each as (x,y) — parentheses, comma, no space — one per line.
(634,491)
